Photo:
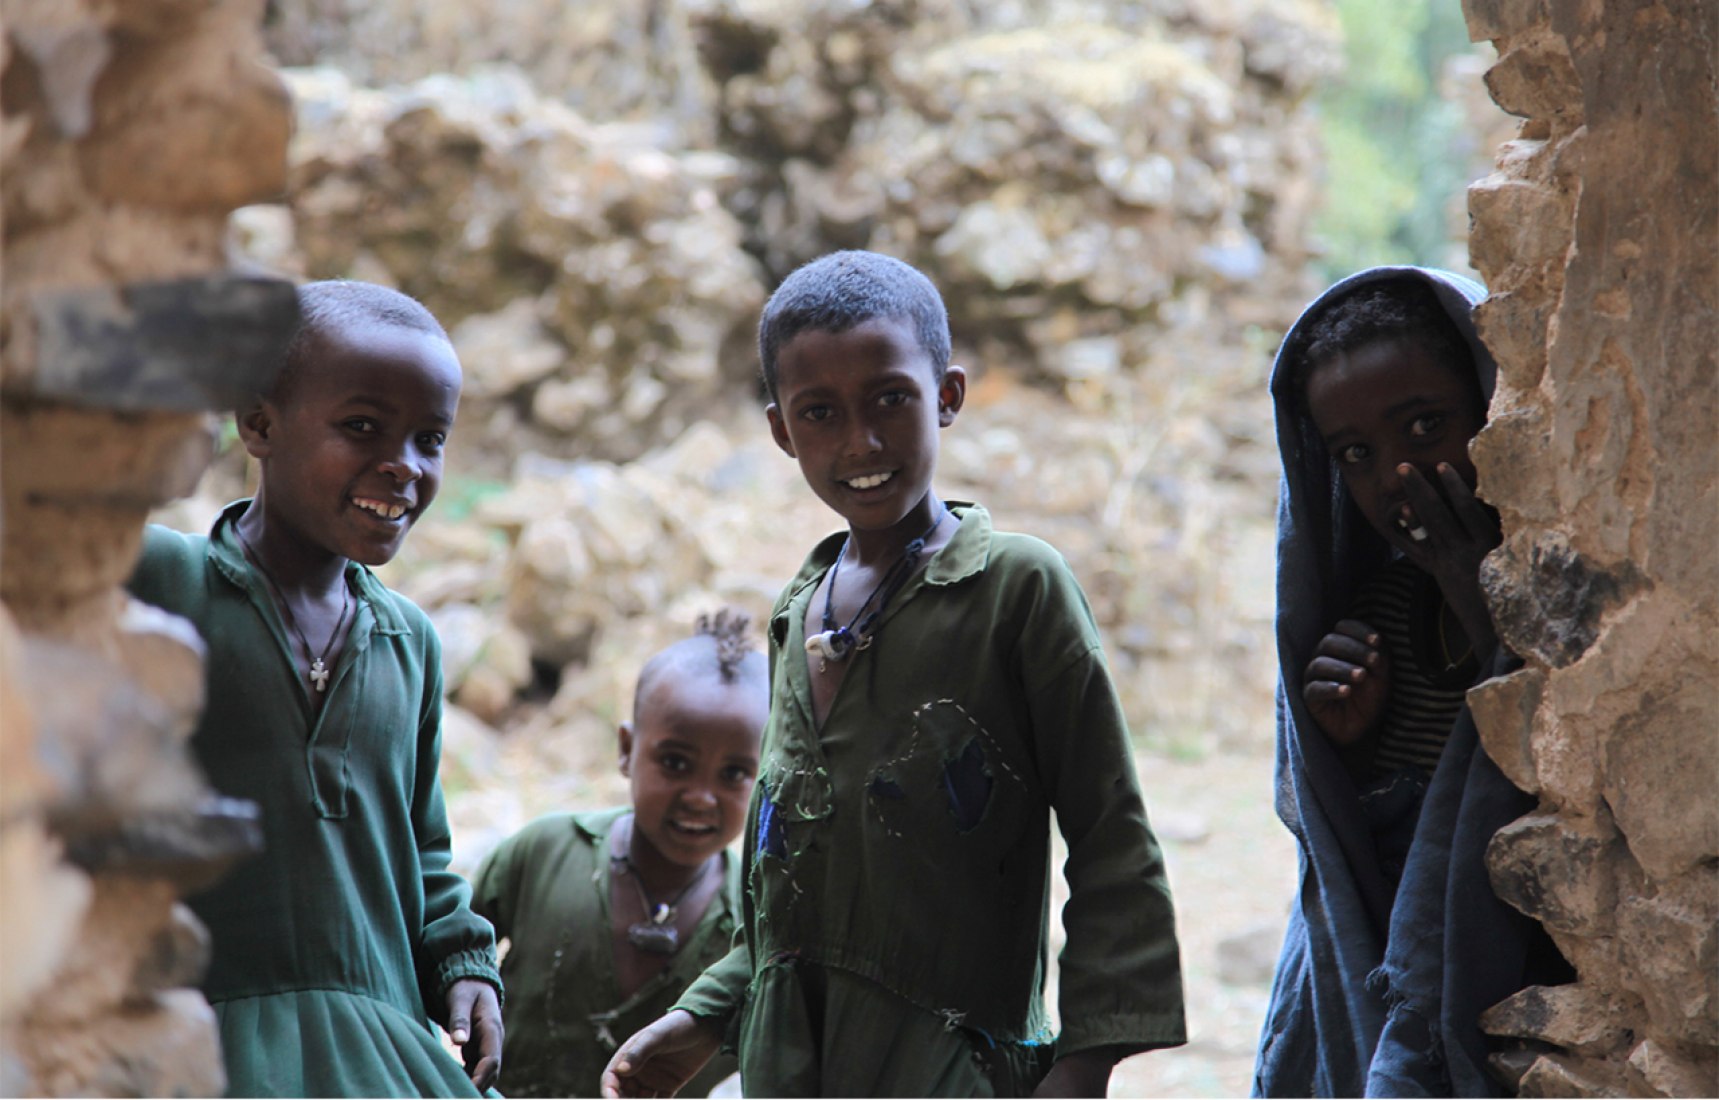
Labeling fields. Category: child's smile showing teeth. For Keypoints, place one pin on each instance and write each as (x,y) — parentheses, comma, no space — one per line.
(381,508)
(869,481)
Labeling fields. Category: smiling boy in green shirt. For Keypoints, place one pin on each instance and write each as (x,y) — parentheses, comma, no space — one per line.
(938,688)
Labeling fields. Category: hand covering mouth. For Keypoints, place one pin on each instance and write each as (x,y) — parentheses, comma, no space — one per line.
(1415,530)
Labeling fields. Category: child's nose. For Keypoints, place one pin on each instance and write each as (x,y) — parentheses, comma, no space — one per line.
(698,796)
(863,438)
(402,465)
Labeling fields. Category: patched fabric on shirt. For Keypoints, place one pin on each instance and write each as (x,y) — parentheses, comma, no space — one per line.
(905,844)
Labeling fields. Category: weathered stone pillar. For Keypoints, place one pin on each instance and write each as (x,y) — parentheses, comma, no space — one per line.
(130,132)
(1599,236)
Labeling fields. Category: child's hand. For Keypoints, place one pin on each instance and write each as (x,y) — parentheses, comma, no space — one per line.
(1083,1073)
(1457,531)
(662,1058)
(1348,682)
(474,1024)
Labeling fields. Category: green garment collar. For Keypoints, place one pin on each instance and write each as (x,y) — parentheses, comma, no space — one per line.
(229,557)
(966,554)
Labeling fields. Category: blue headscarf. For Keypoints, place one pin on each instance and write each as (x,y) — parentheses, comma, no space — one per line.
(1380,985)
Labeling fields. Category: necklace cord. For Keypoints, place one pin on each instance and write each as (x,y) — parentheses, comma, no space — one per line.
(889,585)
(318,676)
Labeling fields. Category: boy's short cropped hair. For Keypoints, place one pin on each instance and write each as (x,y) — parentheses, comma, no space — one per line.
(837,292)
(1395,309)
(324,307)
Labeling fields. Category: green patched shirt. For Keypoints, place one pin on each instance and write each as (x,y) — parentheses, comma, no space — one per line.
(334,949)
(894,936)
(546,889)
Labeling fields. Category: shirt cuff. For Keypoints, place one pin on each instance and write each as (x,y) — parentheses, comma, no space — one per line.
(476,962)
(1134,1033)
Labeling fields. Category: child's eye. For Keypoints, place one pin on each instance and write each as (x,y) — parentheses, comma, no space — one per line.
(1353,453)
(1426,425)
(893,398)
(360,424)
(432,441)
(735,774)
(816,412)
(674,762)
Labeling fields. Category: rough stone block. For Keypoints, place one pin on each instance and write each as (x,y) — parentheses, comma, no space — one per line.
(1550,601)
(1510,453)
(164,1045)
(1659,774)
(235,132)
(176,956)
(1563,878)
(1496,19)
(1558,1076)
(1504,710)
(189,848)
(1669,956)
(1578,1017)
(1535,78)
(181,345)
(1656,1070)
(114,751)
(163,653)
(1513,325)
(1517,225)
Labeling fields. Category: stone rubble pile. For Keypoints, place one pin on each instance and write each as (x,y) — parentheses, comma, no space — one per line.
(594,284)
(1114,198)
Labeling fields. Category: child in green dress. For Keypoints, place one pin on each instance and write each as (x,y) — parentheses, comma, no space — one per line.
(938,689)
(334,950)
(612,914)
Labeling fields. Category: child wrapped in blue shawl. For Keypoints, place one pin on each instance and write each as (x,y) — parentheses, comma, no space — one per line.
(1396,942)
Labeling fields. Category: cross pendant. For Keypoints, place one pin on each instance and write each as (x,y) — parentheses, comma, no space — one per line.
(319,675)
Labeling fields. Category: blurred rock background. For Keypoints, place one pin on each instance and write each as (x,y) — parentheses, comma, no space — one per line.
(1125,203)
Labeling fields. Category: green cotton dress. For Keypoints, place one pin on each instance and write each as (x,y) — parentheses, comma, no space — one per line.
(894,933)
(546,889)
(332,950)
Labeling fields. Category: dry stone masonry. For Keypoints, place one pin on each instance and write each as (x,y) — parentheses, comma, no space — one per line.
(130,131)
(1599,236)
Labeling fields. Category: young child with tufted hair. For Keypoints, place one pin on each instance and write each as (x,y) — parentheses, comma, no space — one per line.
(611,914)
(937,690)
(1396,943)
(335,949)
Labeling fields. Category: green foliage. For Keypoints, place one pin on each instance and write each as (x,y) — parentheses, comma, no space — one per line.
(460,495)
(1396,153)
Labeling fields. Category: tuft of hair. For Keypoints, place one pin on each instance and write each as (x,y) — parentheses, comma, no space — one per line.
(837,292)
(729,629)
(727,634)
(1396,309)
(328,306)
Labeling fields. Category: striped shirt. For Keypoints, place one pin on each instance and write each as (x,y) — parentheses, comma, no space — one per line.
(1428,689)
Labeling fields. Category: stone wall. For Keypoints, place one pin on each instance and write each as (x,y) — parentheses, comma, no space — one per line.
(1599,236)
(130,131)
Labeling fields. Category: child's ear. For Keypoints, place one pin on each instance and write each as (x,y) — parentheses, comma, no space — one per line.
(951,395)
(255,421)
(626,746)
(779,430)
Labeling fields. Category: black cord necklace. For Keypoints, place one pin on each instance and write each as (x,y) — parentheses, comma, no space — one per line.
(656,934)
(317,663)
(836,642)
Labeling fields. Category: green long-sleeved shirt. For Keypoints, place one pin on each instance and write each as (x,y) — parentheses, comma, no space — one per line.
(546,889)
(897,859)
(334,949)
